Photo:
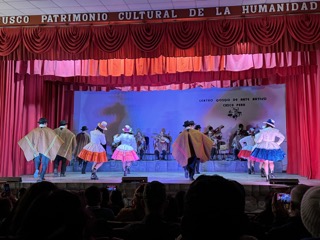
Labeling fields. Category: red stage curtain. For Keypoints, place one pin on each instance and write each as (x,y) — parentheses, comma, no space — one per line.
(178,39)
(25,98)
(303,116)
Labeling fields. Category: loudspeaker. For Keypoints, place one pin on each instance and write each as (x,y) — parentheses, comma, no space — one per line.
(134,179)
(285,181)
(10,179)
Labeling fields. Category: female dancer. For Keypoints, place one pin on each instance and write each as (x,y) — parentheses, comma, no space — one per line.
(126,151)
(247,144)
(267,149)
(95,150)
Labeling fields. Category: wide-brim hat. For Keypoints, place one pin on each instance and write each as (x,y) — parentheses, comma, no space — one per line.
(84,128)
(197,127)
(103,125)
(127,129)
(186,124)
(270,122)
(42,121)
(63,123)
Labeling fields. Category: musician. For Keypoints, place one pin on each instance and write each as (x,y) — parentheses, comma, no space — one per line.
(161,145)
(209,131)
(141,143)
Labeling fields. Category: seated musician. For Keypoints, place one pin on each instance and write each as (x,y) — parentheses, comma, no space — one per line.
(161,145)
(141,143)
(209,131)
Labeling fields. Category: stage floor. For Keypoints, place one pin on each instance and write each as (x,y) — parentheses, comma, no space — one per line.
(165,177)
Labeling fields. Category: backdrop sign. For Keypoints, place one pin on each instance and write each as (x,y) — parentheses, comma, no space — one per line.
(163,15)
(152,111)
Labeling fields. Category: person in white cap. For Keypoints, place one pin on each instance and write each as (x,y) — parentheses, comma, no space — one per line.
(267,148)
(41,145)
(127,150)
(95,150)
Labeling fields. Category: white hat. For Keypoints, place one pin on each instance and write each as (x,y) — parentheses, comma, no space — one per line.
(127,129)
(310,211)
(270,122)
(103,125)
(251,130)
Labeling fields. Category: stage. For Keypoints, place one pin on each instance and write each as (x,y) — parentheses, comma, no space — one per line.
(171,174)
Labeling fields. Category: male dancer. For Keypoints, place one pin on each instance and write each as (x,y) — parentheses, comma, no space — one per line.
(41,145)
(65,151)
(189,146)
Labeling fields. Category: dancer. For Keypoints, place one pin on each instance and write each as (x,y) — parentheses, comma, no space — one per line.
(82,138)
(247,144)
(66,149)
(41,145)
(267,149)
(189,146)
(198,127)
(95,150)
(126,151)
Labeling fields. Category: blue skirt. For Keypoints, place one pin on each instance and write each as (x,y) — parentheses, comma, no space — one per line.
(274,155)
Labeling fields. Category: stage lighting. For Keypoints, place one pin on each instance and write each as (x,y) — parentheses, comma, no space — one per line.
(134,179)
(285,181)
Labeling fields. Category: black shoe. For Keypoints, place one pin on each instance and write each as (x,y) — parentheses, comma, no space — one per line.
(272,175)
(186,174)
(268,178)
(197,172)
(252,169)
(191,178)
(94,176)
(128,170)
(124,173)
(249,171)
(62,174)
(263,173)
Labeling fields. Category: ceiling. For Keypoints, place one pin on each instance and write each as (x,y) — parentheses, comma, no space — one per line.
(40,7)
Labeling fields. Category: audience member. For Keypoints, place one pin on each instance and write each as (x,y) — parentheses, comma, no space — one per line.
(93,197)
(310,212)
(56,215)
(101,216)
(116,201)
(105,194)
(180,195)
(214,206)
(153,225)
(293,227)
(135,212)
(34,193)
